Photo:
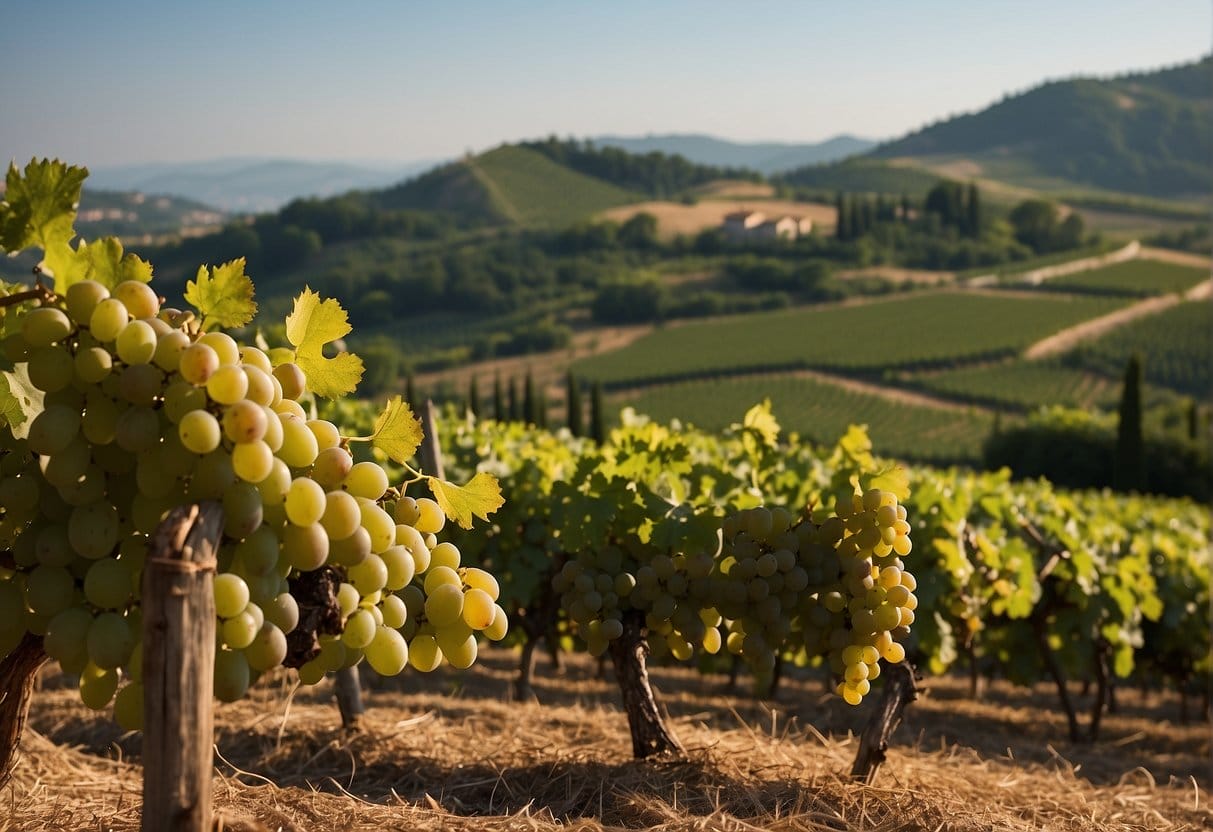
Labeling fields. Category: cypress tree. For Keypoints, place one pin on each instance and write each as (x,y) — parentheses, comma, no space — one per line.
(597,426)
(499,412)
(473,397)
(541,408)
(1129,463)
(842,228)
(905,207)
(515,408)
(410,394)
(973,211)
(854,220)
(869,215)
(1193,420)
(576,425)
(530,409)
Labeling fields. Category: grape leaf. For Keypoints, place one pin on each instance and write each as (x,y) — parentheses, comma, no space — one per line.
(312,324)
(397,431)
(480,497)
(104,261)
(761,420)
(20,400)
(39,209)
(223,295)
(895,479)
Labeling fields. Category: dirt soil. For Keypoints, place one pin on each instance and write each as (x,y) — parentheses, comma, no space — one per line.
(452,751)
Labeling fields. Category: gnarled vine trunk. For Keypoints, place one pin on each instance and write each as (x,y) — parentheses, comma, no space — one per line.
(18,671)
(650,736)
(899,691)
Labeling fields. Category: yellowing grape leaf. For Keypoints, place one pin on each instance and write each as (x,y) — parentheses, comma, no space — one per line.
(312,324)
(104,261)
(397,431)
(20,400)
(895,479)
(39,209)
(761,420)
(223,295)
(480,497)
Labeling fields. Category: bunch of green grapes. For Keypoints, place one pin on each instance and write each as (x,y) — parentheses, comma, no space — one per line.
(143,412)
(673,592)
(837,587)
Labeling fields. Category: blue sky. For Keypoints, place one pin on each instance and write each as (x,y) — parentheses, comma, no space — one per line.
(124,81)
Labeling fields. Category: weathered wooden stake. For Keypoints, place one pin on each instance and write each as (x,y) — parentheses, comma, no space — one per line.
(650,736)
(349,698)
(899,691)
(178,670)
(431,450)
(18,671)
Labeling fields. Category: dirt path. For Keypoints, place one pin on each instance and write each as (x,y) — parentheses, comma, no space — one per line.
(1066,339)
(1182,258)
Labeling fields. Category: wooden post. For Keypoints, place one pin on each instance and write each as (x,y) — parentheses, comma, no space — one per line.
(178,669)
(18,671)
(899,691)
(431,450)
(349,698)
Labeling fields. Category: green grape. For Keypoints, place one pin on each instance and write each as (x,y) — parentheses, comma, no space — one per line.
(327,436)
(65,638)
(439,575)
(406,511)
(367,480)
(19,496)
(268,649)
(252,461)
(51,369)
(128,707)
(198,363)
(242,510)
(261,386)
(231,595)
(424,654)
(170,346)
(82,298)
(387,654)
(342,515)
(478,609)
(274,487)
(53,428)
(244,421)
(108,319)
(97,686)
(411,539)
(110,640)
(68,465)
(224,346)
(231,675)
(213,476)
(401,568)
(199,431)
(299,447)
(283,612)
(305,502)
(239,631)
(359,629)
(141,384)
(369,576)
(394,611)
(352,549)
(228,384)
(305,547)
(92,364)
(136,342)
(292,380)
(444,605)
(181,398)
(480,579)
(347,599)
(138,429)
(44,326)
(461,653)
(254,357)
(49,590)
(331,467)
(445,554)
(138,298)
(431,519)
(288,409)
(499,626)
(108,584)
(379,525)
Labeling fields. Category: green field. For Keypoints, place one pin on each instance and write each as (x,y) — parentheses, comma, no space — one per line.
(1021,385)
(1134,278)
(529,188)
(908,332)
(1176,345)
(822,412)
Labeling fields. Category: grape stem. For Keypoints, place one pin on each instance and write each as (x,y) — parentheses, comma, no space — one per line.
(39,292)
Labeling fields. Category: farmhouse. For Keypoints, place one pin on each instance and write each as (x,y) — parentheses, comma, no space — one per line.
(741,226)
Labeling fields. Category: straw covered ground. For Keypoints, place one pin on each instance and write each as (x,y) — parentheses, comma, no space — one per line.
(451,752)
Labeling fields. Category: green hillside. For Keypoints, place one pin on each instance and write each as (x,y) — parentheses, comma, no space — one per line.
(511,185)
(1146,133)
(863,175)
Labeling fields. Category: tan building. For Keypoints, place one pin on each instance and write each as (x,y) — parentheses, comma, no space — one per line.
(741,226)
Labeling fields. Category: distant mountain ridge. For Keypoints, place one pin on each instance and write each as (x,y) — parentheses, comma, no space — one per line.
(765,157)
(1148,133)
(248,185)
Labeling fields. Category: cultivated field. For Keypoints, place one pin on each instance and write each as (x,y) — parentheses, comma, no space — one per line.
(1021,385)
(1139,278)
(450,751)
(675,218)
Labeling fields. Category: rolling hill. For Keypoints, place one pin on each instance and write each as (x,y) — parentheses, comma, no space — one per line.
(1148,133)
(764,157)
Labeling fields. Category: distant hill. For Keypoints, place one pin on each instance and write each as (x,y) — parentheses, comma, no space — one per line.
(1148,133)
(250,185)
(764,157)
(862,175)
(510,184)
